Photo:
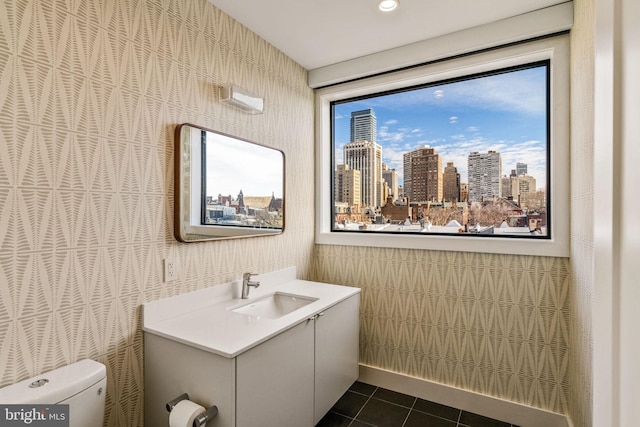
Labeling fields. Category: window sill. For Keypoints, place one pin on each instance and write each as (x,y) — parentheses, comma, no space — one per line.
(496,245)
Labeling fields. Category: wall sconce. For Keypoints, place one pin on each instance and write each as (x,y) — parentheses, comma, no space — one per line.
(241,98)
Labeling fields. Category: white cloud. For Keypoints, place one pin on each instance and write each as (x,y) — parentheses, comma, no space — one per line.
(338,154)
(386,136)
(521,91)
(533,153)
(394,158)
(505,92)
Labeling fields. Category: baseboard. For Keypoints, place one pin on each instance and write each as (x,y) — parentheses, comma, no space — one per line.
(515,413)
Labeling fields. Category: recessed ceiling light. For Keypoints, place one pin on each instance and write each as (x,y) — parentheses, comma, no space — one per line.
(388,5)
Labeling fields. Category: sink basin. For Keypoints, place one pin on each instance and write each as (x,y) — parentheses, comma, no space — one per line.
(274,306)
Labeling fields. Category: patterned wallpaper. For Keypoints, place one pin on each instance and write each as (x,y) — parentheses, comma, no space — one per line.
(582,241)
(493,324)
(90,94)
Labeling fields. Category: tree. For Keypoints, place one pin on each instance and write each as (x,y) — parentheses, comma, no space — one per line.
(489,213)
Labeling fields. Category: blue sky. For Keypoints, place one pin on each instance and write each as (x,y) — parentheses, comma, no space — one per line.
(504,112)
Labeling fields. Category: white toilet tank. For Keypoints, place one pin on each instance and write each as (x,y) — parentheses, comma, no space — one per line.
(81,385)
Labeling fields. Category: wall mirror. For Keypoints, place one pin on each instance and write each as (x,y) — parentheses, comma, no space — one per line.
(226,187)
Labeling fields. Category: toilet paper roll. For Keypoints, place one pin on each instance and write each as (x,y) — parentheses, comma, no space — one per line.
(183,414)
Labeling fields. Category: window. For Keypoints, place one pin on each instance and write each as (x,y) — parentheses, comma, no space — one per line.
(469,154)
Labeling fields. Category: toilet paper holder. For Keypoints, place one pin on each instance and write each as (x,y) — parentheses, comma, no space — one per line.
(200,419)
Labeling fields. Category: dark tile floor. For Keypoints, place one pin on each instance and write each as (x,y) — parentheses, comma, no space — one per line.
(364,405)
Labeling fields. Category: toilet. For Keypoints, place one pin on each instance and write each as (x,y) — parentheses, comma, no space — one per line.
(81,385)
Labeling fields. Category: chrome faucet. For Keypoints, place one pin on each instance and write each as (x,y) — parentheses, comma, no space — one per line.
(246,283)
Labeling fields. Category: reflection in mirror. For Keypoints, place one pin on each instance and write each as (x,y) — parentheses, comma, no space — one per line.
(226,187)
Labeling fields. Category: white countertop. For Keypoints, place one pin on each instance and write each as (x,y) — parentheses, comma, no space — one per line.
(204,319)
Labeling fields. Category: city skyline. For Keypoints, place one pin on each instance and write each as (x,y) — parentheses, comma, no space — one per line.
(506,113)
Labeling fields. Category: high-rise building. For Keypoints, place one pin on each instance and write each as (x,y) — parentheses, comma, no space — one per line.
(363,126)
(347,186)
(451,183)
(464,192)
(521,168)
(526,184)
(406,182)
(507,190)
(485,172)
(391,177)
(406,185)
(366,157)
(518,187)
(426,175)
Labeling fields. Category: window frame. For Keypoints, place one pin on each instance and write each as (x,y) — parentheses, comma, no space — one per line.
(554,49)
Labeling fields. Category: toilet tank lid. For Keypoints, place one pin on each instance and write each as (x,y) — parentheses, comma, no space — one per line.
(60,384)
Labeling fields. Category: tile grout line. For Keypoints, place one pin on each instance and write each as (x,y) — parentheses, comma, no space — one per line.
(364,404)
(412,408)
(415,399)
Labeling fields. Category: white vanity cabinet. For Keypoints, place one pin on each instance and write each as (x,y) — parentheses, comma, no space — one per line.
(290,379)
(275,381)
(296,377)
(336,354)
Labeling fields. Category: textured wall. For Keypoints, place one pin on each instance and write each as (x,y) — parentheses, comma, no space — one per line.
(90,93)
(582,242)
(493,324)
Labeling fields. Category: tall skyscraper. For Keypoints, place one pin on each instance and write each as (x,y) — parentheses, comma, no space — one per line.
(366,157)
(391,177)
(406,183)
(363,126)
(451,183)
(485,172)
(521,168)
(347,186)
(407,157)
(518,187)
(426,175)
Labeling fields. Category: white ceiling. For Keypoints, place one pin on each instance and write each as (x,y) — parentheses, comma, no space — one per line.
(316,33)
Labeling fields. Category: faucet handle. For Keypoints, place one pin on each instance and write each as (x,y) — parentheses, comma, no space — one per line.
(248,275)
